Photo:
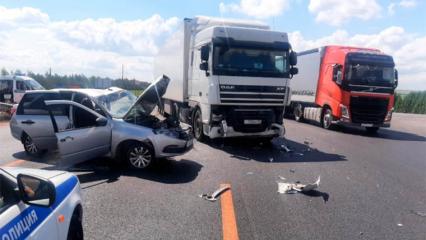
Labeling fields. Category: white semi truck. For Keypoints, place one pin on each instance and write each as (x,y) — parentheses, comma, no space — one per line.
(228,78)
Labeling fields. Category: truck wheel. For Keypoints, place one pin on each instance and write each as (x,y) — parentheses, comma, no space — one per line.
(372,130)
(139,155)
(30,147)
(298,112)
(75,231)
(197,125)
(327,118)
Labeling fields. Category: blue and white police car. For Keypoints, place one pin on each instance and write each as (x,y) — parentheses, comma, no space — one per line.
(39,204)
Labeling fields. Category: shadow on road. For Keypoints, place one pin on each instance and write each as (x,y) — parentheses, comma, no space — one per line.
(244,149)
(168,171)
(385,133)
(315,193)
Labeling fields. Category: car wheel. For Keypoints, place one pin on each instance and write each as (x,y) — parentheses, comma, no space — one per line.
(298,112)
(139,155)
(30,147)
(75,231)
(197,125)
(372,130)
(327,119)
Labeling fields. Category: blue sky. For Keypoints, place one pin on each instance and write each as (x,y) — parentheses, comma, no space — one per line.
(393,26)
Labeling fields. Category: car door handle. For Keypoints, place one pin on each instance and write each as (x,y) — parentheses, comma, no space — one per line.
(68,138)
(29,122)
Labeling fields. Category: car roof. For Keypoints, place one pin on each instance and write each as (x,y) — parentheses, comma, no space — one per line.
(87,91)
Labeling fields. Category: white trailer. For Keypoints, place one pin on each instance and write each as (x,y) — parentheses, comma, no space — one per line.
(229,78)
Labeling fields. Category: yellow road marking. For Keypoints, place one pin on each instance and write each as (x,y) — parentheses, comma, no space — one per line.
(229,222)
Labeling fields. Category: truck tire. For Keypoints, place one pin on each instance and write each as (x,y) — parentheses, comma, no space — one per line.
(197,125)
(139,155)
(327,118)
(298,112)
(372,130)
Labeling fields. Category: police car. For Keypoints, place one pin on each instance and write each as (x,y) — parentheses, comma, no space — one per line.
(39,204)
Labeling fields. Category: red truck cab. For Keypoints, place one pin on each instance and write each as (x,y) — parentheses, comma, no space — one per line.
(347,85)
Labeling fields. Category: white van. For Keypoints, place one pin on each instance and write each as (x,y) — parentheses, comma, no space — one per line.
(12,88)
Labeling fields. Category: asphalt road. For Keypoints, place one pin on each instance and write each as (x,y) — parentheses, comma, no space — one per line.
(372,187)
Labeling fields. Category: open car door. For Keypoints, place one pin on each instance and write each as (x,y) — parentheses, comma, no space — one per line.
(87,136)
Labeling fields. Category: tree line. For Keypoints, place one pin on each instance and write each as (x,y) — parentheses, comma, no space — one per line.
(413,102)
(50,81)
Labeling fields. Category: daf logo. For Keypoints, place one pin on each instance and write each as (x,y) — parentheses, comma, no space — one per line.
(227,87)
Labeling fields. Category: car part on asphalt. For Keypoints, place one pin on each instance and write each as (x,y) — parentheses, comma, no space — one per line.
(296,187)
(214,196)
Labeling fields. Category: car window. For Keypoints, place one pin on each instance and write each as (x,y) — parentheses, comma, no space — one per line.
(88,102)
(7,194)
(33,104)
(20,85)
(83,118)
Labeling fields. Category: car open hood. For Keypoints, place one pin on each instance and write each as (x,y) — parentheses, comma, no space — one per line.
(151,97)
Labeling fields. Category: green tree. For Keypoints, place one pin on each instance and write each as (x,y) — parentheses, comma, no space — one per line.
(4,72)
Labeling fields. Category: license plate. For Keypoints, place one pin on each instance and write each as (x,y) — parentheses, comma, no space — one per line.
(366,124)
(252,121)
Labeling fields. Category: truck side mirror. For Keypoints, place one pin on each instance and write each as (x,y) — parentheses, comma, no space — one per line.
(337,74)
(205,51)
(293,58)
(396,78)
(294,70)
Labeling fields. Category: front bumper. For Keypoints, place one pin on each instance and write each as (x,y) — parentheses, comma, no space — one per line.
(349,123)
(172,150)
(275,130)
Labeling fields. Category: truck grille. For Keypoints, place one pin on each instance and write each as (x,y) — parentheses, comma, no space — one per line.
(252,95)
(237,119)
(368,109)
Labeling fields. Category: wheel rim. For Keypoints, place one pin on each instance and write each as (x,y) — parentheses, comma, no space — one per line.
(140,157)
(198,125)
(327,119)
(30,146)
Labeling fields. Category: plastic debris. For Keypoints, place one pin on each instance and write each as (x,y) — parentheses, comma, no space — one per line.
(282,178)
(271,159)
(249,173)
(399,224)
(214,196)
(292,170)
(296,187)
(421,214)
(286,149)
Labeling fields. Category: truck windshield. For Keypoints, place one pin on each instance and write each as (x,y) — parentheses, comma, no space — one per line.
(237,61)
(33,85)
(372,75)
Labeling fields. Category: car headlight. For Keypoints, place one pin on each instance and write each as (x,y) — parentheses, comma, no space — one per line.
(389,115)
(344,110)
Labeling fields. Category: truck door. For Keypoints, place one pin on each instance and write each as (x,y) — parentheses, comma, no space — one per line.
(88,136)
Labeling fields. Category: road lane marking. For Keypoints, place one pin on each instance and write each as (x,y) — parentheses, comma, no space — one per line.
(14,163)
(229,222)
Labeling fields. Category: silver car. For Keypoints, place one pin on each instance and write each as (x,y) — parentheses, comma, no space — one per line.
(87,123)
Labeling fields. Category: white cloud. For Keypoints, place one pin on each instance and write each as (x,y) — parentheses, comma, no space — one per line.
(31,41)
(408,3)
(256,8)
(408,50)
(337,12)
(391,9)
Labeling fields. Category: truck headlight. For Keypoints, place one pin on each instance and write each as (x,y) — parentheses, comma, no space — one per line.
(344,110)
(389,115)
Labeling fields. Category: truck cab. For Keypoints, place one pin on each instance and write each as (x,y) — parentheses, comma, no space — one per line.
(234,78)
(13,88)
(351,86)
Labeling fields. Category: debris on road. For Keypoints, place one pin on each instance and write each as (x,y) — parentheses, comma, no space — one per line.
(286,149)
(296,187)
(399,224)
(282,178)
(421,214)
(292,170)
(214,196)
(249,173)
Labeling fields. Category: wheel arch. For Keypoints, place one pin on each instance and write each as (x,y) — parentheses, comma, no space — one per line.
(121,147)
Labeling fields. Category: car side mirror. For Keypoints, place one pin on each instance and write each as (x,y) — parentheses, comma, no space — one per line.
(294,70)
(293,59)
(101,122)
(36,191)
(337,74)
(205,51)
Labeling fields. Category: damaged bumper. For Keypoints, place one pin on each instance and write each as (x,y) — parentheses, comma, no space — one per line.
(349,123)
(275,130)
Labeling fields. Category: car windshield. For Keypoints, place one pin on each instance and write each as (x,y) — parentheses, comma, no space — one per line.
(117,103)
(372,75)
(33,85)
(239,61)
